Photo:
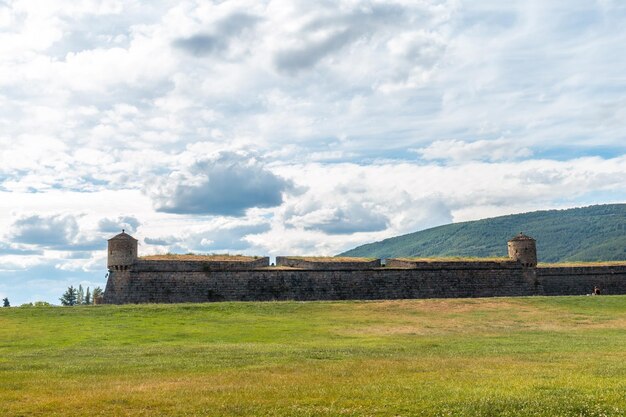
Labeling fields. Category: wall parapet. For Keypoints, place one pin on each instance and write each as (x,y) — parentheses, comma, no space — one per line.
(580,280)
(451,265)
(328,264)
(198,266)
(581,270)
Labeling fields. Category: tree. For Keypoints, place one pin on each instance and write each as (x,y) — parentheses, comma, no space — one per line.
(97,294)
(87,297)
(69,297)
(5,302)
(80,295)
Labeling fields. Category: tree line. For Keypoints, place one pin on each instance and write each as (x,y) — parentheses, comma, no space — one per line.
(71,297)
(78,296)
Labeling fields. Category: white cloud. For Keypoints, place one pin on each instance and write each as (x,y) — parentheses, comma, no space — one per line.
(489,150)
(52,231)
(16,263)
(127,223)
(227,184)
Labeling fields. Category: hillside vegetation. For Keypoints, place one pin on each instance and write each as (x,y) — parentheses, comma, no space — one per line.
(559,356)
(596,233)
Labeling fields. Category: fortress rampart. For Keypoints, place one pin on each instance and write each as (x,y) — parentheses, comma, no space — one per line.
(198,266)
(172,279)
(451,265)
(574,280)
(329,264)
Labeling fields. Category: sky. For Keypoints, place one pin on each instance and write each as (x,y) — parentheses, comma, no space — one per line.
(293,127)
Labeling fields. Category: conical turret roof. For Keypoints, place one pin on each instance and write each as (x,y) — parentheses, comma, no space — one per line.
(123,236)
(521,237)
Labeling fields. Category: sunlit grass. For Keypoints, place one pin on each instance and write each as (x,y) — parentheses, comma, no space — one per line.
(581,264)
(331,258)
(435,259)
(560,356)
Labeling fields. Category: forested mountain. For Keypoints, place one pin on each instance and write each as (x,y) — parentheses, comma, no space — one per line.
(595,233)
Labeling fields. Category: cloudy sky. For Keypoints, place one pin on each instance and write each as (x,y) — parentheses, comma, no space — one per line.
(293,127)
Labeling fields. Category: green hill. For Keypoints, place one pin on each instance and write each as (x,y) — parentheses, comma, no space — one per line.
(595,233)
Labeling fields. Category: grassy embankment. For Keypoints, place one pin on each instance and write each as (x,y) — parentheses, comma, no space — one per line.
(560,356)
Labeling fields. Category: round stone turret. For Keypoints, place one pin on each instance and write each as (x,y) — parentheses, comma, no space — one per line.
(122,251)
(523,249)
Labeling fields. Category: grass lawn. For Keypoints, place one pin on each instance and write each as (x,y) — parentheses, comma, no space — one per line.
(538,356)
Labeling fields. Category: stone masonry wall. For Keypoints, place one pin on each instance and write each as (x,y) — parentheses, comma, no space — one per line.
(582,280)
(279,284)
(116,289)
(176,281)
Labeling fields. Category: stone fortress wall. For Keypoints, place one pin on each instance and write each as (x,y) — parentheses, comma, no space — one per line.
(329,264)
(204,279)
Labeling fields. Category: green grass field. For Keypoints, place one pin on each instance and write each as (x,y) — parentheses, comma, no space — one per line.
(558,356)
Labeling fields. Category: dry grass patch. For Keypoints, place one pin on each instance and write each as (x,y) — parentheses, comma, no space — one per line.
(455,259)
(200,257)
(330,259)
(472,316)
(581,264)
